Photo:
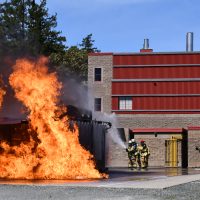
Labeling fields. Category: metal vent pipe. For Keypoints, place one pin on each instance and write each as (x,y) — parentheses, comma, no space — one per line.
(146,44)
(189,42)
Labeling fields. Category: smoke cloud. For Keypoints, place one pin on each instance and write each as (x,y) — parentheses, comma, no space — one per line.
(11,107)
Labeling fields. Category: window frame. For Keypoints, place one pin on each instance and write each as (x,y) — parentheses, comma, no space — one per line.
(98,104)
(124,103)
(101,77)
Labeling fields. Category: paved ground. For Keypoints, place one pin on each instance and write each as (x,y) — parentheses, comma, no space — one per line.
(153,184)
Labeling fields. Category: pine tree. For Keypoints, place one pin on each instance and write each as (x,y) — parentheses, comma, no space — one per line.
(88,44)
(41,30)
(13,25)
(75,59)
(26,27)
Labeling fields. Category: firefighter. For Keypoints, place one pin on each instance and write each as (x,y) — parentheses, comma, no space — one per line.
(144,154)
(136,153)
(132,151)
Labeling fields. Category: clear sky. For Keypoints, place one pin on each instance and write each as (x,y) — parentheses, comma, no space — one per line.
(121,25)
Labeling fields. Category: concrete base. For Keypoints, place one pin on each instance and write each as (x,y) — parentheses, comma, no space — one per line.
(154,178)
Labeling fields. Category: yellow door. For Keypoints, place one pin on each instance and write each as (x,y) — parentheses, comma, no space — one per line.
(171,152)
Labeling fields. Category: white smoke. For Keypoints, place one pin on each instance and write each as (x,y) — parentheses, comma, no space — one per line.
(113,131)
(78,94)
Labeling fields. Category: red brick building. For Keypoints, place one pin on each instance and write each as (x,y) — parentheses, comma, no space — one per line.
(156,96)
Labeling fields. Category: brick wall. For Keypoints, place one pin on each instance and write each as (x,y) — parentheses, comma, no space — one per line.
(157,148)
(116,155)
(157,144)
(159,120)
(193,154)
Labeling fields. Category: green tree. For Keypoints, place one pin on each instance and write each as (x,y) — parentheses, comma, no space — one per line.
(73,62)
(13,24)
(75,59)
(26,27)
(88,44)
(41,30)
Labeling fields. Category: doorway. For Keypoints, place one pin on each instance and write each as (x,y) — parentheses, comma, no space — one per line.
(169,148)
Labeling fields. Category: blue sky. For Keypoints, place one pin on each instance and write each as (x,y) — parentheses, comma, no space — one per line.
(121,25)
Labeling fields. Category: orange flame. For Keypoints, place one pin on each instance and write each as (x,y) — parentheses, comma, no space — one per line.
(59,154)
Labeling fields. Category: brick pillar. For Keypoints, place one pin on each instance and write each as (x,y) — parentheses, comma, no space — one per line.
(103,88)
(193,154)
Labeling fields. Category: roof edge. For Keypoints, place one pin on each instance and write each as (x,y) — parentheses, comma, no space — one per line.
(154,53)
(141,53)
(100,54)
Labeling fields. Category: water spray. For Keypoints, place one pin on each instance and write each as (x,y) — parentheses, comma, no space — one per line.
(113,131)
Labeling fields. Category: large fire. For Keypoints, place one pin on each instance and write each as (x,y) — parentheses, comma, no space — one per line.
(57,154)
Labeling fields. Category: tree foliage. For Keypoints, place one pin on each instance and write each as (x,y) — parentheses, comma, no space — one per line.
(75,59)
(42,31)
(27,28)
(12,24)
(73,62)
(88,44)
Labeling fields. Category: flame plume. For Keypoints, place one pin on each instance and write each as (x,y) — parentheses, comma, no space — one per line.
(58,154)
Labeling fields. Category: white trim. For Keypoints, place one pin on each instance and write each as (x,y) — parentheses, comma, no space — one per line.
(157,80)
(155,95)
(157,65)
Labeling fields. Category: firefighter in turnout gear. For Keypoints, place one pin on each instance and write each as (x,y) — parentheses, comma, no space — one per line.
(133,153)
(144,154)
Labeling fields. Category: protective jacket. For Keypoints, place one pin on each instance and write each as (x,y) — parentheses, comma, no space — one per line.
(144,150)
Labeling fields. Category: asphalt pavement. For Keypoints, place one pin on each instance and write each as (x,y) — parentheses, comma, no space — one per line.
(151,184)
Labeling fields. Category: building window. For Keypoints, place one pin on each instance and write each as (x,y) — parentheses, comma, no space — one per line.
(125,103)
(97,104)
(97,74)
